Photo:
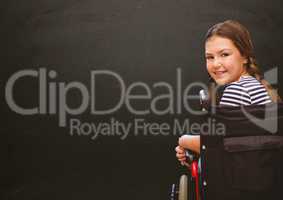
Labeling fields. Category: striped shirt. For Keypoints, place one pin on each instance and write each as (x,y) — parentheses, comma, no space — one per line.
(247,91)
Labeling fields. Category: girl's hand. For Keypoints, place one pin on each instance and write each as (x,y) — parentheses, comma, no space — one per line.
(180,154)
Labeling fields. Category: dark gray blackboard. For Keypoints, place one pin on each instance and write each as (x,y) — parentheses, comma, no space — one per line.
(141,40)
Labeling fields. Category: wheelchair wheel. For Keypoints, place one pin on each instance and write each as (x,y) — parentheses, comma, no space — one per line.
(183,188)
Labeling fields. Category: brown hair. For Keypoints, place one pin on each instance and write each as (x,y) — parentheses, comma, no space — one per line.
(241,38)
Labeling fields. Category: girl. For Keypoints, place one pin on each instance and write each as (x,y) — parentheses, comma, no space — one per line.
(230,61)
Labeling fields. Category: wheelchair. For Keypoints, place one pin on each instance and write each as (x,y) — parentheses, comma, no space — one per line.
(244,163)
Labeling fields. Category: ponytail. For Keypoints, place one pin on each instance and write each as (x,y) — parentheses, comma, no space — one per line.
(253,70)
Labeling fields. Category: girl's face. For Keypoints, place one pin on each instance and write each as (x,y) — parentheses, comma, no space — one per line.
(224,62)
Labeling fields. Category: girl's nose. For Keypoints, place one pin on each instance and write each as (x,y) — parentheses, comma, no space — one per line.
(217,63)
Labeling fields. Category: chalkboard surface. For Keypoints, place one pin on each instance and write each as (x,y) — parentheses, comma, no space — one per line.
(75,59)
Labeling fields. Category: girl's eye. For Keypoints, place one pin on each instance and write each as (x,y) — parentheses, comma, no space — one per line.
(209,57)
(224,54)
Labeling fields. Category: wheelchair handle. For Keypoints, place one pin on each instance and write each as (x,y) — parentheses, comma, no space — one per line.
(190,156)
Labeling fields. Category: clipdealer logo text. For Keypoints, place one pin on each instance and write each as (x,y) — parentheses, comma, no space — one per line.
(52,92)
